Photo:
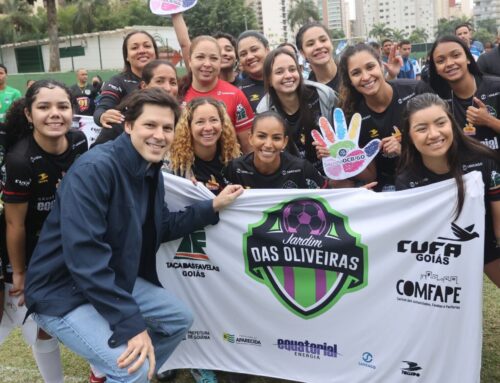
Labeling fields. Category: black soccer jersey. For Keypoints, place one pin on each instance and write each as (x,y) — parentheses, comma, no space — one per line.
(253,90)
(293,173)
(209,173)
(301,141)
(334,83)
(32,175)
(490,172)
(386,124)
(488,91)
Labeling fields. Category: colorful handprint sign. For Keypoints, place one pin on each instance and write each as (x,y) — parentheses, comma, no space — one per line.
(346,158)
(168,7)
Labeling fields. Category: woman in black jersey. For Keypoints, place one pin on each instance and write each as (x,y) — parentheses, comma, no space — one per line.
(434,148)
(300,104)
(138,49)
(269,166)
(156,74)
(40,149)
(314,43)
(252,48)
(204,143)
(474,99)
(364,90)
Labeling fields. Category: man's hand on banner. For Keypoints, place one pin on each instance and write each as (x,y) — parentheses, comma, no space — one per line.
(345,158)
(169,7)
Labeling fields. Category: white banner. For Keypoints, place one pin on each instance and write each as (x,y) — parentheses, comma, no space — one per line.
(333,285)
(87,125)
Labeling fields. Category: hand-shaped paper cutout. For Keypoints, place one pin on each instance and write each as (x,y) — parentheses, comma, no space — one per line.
(347,158)
(168,7)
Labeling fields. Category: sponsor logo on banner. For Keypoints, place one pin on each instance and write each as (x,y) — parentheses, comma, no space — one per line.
(440,291)
(443,249)
(307,349)
(306,254)
(411,368)
(198,335)
(191,257)
(241,339)
(367,360)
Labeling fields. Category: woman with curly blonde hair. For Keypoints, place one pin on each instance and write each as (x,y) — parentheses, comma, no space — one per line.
(204,142)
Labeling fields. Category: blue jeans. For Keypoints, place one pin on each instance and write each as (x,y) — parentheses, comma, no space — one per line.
(86,332)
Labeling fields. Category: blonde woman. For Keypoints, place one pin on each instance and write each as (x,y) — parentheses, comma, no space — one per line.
(205,142)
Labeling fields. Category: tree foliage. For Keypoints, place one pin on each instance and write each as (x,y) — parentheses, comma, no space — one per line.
(418,35)
(302,12)
(380,31)
(337,34)
(210,16)
(447,27)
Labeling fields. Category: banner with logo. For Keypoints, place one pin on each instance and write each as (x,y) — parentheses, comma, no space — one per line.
(87,125)
(333,285)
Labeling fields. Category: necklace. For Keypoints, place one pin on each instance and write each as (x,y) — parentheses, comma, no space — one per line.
(469,129)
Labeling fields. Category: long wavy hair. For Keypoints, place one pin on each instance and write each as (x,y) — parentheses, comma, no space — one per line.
(182,153)
(462,147)
(349,96)
(439,84)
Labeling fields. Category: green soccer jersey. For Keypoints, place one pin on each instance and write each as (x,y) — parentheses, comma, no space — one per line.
(7,97)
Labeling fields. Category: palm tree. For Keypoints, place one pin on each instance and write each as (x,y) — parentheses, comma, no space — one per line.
(16,23)
(87,14)
(302,12)
(380,31)
(398,34)
(418,35)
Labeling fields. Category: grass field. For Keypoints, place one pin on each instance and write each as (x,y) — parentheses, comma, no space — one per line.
(17,365)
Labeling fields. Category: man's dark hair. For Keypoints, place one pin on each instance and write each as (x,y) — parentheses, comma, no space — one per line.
(132,106)
(4,68)
(461,25)
(405,42)
(385,41)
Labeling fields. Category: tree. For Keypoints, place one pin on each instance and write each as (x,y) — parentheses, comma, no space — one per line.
(489,25)
(302,12)
(337,34)
(210,16)
(418,35)
(398,34)
(87,14)
(52,31)
(447,27)
(17,25)
(380,31)
(484,36)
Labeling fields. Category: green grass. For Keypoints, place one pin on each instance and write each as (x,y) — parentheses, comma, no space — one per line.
(17,364)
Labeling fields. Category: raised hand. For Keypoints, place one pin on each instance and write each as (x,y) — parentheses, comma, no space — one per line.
(346,158)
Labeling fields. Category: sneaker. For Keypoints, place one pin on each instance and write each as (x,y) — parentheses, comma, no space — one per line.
(204,376)
(95,379)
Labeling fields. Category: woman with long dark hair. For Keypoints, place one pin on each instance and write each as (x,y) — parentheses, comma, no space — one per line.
(314,43)
(434,148)
(40,150)
(365,90)
(474,99)
(138,49)
(300,102)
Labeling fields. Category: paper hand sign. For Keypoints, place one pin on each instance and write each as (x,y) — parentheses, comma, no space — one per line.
(168,7)
(346,159)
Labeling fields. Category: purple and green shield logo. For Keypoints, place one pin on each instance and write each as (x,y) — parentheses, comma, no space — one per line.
(307,255)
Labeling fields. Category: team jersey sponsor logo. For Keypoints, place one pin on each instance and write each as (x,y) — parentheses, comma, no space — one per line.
(83,103)
(304,245)
(43,178)
(241,339)
(410,368)
(241,113)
